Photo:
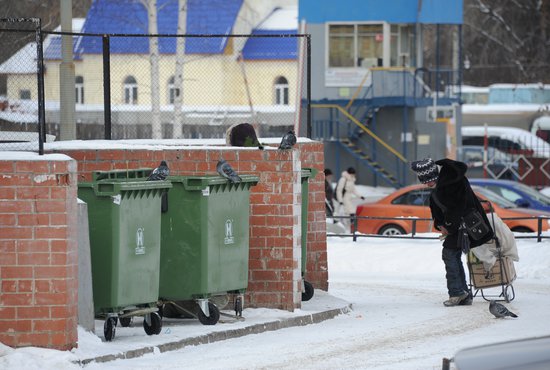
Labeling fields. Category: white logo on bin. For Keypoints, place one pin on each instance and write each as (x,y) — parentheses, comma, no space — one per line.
(229,232)
(140,247)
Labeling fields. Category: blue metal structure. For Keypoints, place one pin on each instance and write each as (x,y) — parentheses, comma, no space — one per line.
(388,93)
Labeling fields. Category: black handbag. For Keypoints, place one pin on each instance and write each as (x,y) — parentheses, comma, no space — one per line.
(475,225)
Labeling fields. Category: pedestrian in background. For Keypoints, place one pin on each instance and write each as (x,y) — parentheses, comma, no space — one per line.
(329,193)
(451,199)
(345,191)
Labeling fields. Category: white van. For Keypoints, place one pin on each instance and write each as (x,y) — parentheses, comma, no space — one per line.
(507,139)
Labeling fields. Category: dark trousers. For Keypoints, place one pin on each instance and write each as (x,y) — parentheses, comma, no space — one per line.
(456,278)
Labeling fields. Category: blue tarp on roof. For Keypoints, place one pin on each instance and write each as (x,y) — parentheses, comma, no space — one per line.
(271,47)
(130,17)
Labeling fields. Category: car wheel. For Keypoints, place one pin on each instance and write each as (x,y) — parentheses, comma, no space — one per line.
(522,229)
(389,230)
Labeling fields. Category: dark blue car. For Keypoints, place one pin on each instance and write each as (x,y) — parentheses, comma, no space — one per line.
(522,195)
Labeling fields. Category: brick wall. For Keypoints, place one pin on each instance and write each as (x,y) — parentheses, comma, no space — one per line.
(38,251)
(275,245)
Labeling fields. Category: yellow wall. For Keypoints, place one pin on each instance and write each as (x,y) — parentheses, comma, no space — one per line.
(18,82)
(208,80)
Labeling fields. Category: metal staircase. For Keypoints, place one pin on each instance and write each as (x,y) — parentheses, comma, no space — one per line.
(369,162)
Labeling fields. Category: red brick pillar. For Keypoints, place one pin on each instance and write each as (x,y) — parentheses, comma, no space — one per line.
(312,156)
(38,251)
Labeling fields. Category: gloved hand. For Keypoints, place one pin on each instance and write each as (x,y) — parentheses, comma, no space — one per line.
(362,198)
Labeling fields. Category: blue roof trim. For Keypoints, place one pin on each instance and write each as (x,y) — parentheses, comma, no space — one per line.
(130,17)
(391,11)
(270,48)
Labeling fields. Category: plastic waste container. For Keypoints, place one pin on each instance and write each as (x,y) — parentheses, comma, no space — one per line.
(124,223)
(307,173)
(205,244)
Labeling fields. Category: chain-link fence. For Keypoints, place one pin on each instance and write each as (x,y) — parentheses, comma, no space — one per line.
(164,86)
(21,87)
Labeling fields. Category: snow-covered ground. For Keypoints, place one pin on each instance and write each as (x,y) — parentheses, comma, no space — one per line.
(398,321)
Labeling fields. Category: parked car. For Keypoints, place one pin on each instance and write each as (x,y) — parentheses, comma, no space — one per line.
(521,195)
(499,165)
(394,213)
(525,354)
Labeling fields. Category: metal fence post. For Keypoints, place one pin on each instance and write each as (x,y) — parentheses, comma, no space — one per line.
(40,77)
(107,87)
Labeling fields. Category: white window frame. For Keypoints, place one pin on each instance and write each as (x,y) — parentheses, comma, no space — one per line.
(173,92)
(79,89)
(385,42)
(281,91)
(130,91)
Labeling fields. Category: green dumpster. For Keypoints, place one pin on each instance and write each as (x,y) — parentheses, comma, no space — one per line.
(307,173)
(205,243)
(124,223)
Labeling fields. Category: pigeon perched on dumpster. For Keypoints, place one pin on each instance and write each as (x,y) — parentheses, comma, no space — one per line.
(288,140)
(225,170)
(160,173)
(499,310)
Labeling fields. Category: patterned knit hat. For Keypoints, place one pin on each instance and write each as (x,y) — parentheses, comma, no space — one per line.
(426,169)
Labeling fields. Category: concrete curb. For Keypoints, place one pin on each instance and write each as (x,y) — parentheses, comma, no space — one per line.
(223,335)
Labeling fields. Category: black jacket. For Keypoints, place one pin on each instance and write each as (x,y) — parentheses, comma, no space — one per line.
(454,192)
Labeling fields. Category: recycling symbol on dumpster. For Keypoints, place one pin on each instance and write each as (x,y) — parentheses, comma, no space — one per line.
(140,247)
(229,232)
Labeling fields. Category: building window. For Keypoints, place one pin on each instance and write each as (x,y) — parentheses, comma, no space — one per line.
(355,45)
(173,92)
(281,91)
(25,94)
(402,50)
(79,89)
(130,90)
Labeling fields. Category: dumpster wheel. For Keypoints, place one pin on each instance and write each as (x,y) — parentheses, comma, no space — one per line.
(125,321)
(214,315)
(152,323)
(109,328)
(308,292)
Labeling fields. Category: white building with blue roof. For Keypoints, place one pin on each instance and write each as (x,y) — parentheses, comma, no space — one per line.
(225,79)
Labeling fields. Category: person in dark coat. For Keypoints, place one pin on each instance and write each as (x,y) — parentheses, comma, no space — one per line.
(454,199)
(329,193)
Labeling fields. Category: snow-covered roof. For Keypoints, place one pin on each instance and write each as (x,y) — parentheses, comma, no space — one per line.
(24,60)
(284,18)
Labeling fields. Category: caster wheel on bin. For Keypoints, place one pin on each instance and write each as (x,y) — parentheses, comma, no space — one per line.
(214,315)
(125,321)
(307,294)
(109,328)
(152,323)
(239,306)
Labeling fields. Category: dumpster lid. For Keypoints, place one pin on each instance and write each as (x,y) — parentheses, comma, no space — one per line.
(309,172)
(201,182)
(138,173)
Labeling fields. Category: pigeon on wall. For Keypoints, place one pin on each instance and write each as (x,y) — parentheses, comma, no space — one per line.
(159,173)
(288,140)
(499,310)
(225,170)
